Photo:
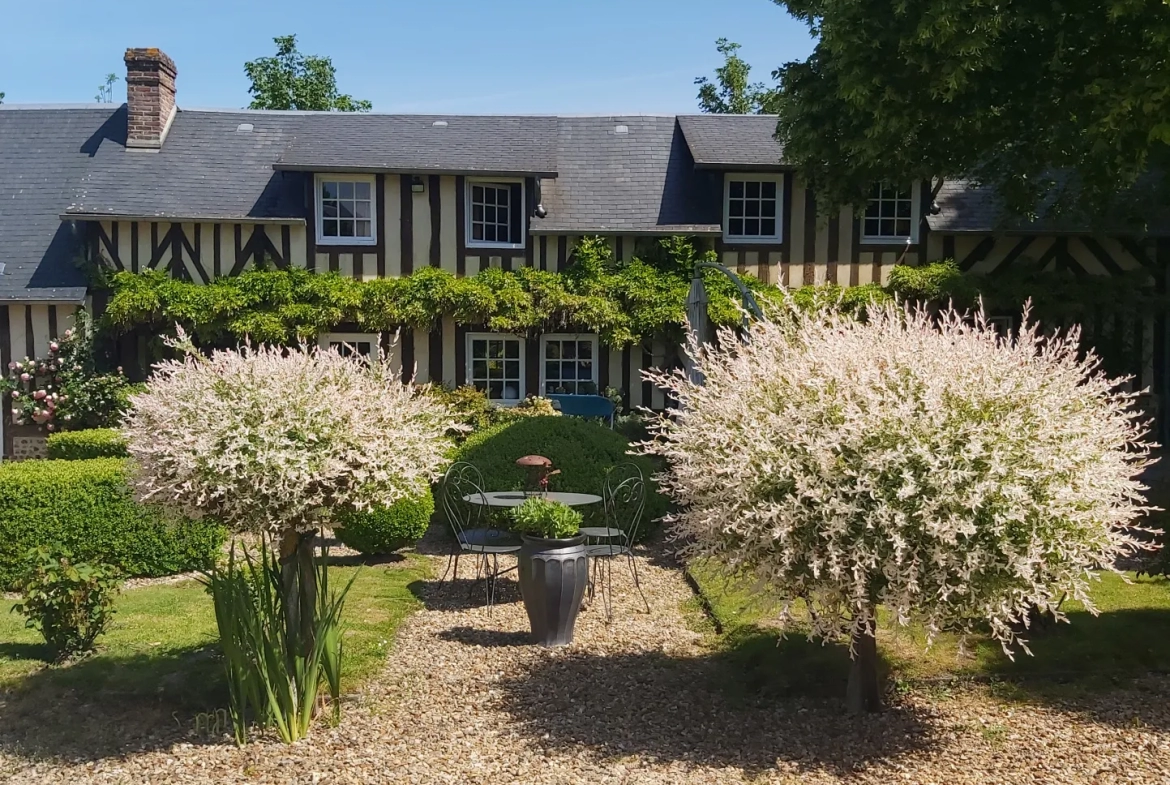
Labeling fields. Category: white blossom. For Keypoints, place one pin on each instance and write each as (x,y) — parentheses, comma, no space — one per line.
(273,438)
(919,461)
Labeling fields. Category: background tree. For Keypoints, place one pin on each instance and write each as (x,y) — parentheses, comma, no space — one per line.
(731,92)
(105,93)
(839,465)
(1,98)
(291,80)
(1066,103)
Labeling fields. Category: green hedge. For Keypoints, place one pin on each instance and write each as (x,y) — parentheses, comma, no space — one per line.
(83,445)
(385,530)
(583,451)
(87,507)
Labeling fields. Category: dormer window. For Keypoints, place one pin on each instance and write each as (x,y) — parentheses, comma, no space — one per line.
(345,210)
(892,214)
(752,208)
(495,214)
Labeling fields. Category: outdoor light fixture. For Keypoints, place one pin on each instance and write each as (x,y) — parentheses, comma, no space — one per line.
(417,185)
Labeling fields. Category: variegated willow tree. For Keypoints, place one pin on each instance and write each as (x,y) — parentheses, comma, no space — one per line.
(911,460)
(281,441)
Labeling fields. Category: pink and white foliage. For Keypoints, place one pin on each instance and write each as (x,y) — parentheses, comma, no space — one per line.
(913,460)
(272,439)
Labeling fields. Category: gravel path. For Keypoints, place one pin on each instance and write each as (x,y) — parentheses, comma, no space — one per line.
(465,700)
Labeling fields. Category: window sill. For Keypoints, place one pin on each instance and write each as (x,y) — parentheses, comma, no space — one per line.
(888,240)
(495,246)
(364,241)
(734,240)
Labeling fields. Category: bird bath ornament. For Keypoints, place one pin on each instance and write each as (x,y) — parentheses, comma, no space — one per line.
(539,469)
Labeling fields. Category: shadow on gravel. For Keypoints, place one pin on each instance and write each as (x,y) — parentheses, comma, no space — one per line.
(465,592)
(491,638)
(103,708)
(702,711)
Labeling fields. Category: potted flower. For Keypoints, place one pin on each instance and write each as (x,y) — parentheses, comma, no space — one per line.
(554,569)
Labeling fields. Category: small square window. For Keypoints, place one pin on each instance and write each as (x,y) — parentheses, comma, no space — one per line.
(570,366)
(345,210)
(495,214)
(496,367)
(890,214)
(747,199)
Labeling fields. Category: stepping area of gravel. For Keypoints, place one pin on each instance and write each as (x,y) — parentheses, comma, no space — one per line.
(646,699)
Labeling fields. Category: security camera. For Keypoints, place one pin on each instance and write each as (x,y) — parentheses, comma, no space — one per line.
(540,211)
(934,208)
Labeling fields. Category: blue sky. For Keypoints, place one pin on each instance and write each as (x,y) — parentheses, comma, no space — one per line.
(514,56)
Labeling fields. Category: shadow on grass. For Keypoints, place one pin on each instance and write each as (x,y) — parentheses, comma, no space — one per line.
(103,707)
(720,710)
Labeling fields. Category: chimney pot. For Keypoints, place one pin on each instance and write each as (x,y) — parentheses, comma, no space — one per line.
(150,97)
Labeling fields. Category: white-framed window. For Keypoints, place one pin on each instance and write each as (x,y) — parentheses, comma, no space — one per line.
(568,364)
(350,344)
(495,365)
(345,209)
(753,208)
(495,214)
(892,214)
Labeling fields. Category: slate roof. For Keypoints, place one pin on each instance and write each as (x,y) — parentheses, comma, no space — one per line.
(467,144)
(642,180)
(733,141)
(41,160)
(208,168)
(967,207)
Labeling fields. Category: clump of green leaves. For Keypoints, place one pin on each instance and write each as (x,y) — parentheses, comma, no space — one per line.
(69,602)
(291,80)
(551,520)
(275,666)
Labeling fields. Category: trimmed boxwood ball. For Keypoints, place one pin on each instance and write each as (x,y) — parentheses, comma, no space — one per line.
(87,507)
(385,530)
(83,445)
(583,451)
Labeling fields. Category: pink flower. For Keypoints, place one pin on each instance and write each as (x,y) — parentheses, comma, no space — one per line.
(69,333)
(12,366)
(16,393)
(39,395)
(49,426)
(24,377)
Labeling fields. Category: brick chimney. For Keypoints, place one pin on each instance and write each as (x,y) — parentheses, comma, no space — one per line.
(150,97)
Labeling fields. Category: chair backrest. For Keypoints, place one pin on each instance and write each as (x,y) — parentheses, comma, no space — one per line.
(623,497)
(463,481)
(585,406)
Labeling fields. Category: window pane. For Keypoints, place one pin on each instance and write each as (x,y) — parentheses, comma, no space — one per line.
(751,227)
(328,189)
(477,212)
(329,209)
(752,209)
(489,195)
(888,209)
(502,196)
(585,350)
(345,209)
(903,228)
(361,190)
(513,348)
(489,214)
(735,227)
(479,348)
(887,228)
(489,233)
(903,208)
(479,369)
(346,228)
(329,228)
(551,369)
(769,190)
(496,391)
(345,190)
(477,193)
(872,227)
(364,230)
(512,391)
(361,209)
(872,209)
(735,207)
(736,189)
(768,209)
(753,189)
(768,227)
(477,231)
(552,350)
(569,350)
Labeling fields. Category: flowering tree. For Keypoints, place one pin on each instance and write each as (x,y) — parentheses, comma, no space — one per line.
(913,460)
(281,441)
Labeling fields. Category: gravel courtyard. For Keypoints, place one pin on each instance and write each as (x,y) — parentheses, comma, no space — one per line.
(464,700)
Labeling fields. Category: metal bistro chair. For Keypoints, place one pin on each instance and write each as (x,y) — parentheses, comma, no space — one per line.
(471,524)
(623,499)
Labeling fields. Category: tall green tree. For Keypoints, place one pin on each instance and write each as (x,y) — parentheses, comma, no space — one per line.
(731,92)
(291,80)
(1065,104)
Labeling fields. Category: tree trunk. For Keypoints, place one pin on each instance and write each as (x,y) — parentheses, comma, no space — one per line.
(298,579)
(863,694)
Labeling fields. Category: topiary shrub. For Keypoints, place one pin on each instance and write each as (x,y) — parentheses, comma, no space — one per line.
(83,445)
(583,451)
(87,507)
(386,529)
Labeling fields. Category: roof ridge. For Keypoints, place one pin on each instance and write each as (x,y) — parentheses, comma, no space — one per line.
(27,107)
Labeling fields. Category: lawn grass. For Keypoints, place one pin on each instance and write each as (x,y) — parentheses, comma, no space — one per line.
(1129,638)
(162,642)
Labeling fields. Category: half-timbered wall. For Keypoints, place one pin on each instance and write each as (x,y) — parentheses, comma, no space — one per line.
(425,227)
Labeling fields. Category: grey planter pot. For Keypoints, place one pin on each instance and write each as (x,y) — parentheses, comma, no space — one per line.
(553,578)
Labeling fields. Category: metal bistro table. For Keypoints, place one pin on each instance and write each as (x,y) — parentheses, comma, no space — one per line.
(516,498)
